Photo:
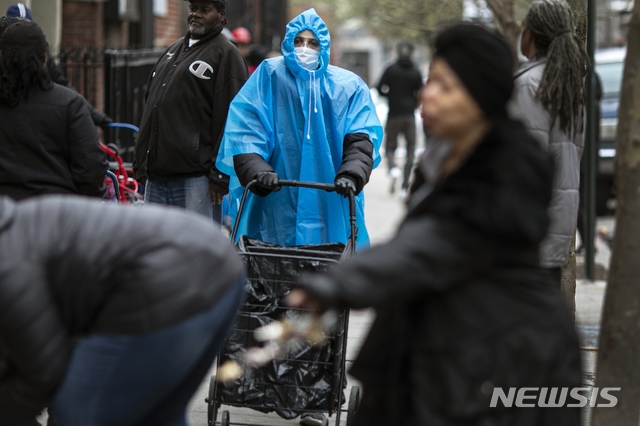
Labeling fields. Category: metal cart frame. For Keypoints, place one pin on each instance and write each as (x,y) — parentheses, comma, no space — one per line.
(335,367)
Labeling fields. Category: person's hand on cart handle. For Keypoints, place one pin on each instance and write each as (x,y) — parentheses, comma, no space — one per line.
(344,185)
(268,181)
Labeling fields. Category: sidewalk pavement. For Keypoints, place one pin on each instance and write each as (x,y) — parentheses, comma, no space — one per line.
(383,213)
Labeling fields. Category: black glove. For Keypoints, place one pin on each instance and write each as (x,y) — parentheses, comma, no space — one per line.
(344,185)
(267,183)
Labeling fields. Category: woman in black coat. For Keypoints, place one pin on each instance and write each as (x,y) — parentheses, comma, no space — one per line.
(48,141)
(109,315)
(463,310)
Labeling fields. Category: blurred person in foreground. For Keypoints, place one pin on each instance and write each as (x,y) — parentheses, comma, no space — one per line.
(549,99)
(189,92)
(109,315)
(48,141)
(400,84)
(463,309)
(299,118)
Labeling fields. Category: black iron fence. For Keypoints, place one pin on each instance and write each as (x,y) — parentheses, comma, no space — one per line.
(126,76)
(114,81)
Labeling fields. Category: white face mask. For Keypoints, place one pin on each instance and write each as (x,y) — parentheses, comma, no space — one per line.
(307,57)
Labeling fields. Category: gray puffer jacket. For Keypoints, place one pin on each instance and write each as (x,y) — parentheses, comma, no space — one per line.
(72,267)
(566,150)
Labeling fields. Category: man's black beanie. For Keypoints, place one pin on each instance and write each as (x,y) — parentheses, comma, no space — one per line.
(483,62)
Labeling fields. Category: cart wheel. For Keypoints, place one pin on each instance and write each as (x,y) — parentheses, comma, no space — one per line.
(354,405)
(212,407)
(224,421)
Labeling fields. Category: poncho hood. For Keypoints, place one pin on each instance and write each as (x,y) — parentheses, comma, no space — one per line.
(307,20)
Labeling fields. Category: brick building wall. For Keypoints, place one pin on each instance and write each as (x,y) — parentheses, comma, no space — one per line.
(170,27)
(82,24)
(88,27)
(82,38)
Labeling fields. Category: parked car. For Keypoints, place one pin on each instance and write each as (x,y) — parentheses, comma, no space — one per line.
(609,65)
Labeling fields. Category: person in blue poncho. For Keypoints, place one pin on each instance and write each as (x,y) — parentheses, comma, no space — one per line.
(299,118)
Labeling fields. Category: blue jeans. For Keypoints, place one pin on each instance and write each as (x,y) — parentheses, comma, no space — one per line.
(189,193)
(146,379)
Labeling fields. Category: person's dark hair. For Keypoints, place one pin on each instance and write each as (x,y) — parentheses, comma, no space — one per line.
(256,55)
(561,90)
(23,50)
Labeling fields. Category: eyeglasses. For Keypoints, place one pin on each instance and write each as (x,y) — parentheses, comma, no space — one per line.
(306,42)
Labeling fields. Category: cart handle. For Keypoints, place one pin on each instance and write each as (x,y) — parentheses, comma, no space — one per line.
(329,187)
(124,126)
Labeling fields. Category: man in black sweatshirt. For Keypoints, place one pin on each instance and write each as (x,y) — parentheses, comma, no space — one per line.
(400,84)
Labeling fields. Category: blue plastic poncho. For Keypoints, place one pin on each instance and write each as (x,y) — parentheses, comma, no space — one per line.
(297,121)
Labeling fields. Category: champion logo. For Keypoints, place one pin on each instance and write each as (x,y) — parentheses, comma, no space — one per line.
(200,69)
(170,55)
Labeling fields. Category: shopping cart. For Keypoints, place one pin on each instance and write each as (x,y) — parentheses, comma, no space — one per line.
(307,379)
(121,187)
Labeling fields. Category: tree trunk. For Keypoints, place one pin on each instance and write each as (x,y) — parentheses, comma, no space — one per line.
(504,15)
(620,328)
(569,268)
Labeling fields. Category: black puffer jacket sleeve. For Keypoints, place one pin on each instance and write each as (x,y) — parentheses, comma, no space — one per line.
(247,167)
(357,159)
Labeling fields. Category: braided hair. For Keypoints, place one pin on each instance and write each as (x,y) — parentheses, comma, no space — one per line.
(561,90)
(22,63)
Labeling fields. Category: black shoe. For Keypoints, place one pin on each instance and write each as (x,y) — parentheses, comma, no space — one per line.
(313,419)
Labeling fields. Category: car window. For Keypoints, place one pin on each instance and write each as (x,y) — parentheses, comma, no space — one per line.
(611,77)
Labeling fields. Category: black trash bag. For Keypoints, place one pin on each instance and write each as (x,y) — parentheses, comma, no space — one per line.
(308,378)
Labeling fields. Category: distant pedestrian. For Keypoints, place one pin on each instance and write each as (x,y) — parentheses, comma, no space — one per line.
(109,315)
(300,118)
(48,142)
(189,92)
(242,39)
(463,310)
(549,99)
(400,84)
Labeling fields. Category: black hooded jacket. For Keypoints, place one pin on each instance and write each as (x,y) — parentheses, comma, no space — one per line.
(462,306)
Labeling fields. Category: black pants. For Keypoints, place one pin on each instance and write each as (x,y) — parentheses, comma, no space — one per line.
(405,125)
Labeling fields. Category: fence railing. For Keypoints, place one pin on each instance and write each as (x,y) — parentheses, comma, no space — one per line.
(114,81)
